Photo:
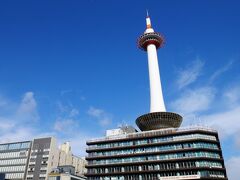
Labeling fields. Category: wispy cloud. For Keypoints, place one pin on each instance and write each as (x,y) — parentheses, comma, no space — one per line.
(18,133)
(3,101)
(67,119)
(220,71)
(227,122)
(61,107)
(233,166)
(19,113)
(102,116)
(232,95)
(67,109)
(217,108)
(190,74)
(226,119)
(18,123)
(74,112)
(28,107)
(194,100)
(67,91)
(65,125)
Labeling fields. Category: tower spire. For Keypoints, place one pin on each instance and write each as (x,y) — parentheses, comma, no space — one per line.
(148,21)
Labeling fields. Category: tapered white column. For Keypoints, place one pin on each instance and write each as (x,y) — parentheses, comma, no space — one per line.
(157,102)
(158,118)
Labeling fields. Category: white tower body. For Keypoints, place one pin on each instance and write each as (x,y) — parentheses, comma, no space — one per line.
(156,95)
(158,118)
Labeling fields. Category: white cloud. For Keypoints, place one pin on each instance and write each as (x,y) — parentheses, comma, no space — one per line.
(67,91)
(237,140)
(74,112)
(92,111)
(13,121)
(105,121)
(27,109)
(102,116)
(217,108)
(3,101)
(233,166)
(67,110)
(66,122)
(6,124)
(28,103)
(18,134)
(232,95)
(190,74)
(65,125)
(220,71)
(227,122)
(193,101)
(62,108)
(201,103)
(17,122)
(226,119)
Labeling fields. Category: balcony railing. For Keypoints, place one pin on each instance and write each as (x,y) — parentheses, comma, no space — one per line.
(151,133)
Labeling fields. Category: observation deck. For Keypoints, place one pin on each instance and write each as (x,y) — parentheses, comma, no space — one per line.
(150,38)
(158,120)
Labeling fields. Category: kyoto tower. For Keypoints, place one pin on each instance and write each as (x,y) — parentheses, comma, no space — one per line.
(158,118)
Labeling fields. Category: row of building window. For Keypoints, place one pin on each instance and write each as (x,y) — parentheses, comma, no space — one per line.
(15,176)
(12,168)
(5,155)
(13,162)
(155,157)
(159,166)
(153,140)
(22,145)
(216,174)
(173,175)
(155,149)
(38,178)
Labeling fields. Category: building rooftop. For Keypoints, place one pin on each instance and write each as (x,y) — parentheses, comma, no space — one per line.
(153,132)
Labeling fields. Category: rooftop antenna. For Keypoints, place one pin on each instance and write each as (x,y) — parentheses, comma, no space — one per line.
(147,13)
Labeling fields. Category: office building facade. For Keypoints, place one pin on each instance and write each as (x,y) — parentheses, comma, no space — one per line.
(34,160)
(43,157)
(14,158)
(191,153)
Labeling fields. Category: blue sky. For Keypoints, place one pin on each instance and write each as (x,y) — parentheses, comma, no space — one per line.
(71,69)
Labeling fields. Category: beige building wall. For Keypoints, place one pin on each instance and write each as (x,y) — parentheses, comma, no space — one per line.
(79,164)
(53,155)
(66,157)
(65,154)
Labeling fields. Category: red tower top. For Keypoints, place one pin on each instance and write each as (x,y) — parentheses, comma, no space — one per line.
(150,37)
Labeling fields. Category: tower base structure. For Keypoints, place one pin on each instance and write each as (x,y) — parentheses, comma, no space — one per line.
(158,120)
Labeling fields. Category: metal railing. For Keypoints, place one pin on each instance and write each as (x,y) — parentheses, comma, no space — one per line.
(152,132)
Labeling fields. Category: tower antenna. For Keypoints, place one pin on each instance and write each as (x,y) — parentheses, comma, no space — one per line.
(147,13)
